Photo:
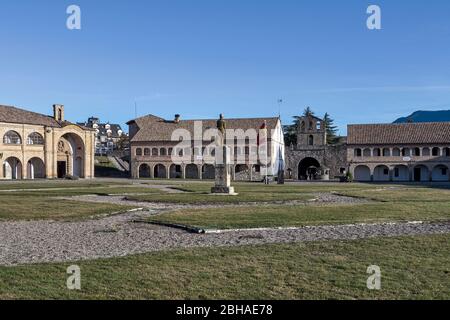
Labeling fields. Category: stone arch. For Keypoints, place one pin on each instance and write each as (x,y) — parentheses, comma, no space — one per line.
(208,172)
(12,169)
(35,168)
(308,169)
(144,171)
(401,173)
(192,171)
(70,155)
(381,173)
(421,173)
(362,173)
(440,173)
(160,171)
(176,171)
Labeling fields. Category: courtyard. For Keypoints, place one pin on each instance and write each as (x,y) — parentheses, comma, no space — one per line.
(131,238)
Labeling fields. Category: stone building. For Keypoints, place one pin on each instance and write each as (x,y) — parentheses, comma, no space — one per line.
(37,146)
(312,158)
(107,135)
(404,152)
(152,147)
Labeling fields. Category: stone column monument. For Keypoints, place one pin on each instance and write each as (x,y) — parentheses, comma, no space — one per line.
(222,165)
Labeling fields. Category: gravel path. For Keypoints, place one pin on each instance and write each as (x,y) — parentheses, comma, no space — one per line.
(116,236)
(319,198)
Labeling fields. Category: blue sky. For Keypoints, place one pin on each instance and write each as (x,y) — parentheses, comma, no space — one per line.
(203,57)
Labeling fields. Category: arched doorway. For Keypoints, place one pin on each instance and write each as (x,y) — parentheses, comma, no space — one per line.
(12,169)
(192,171)
(421,174)
(241,172)
(440,173)
(176,171)
(71,156)
(401,173)
(208,172)
(160,172)
(35,169)
(144,171)
(381,173)
(362,173)
(308,169)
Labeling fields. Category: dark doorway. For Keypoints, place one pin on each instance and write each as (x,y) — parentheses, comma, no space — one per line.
(62,169)
(417,174)
(308,169)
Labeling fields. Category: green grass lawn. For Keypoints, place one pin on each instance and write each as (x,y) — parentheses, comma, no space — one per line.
(38,200)
(45,208)
(388,205)
(200,193)
(411,267)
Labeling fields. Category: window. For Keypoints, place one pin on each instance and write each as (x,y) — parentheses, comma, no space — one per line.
(12,137)
(377,152)
(258,169)
(426,152)
(155,152)
(447,152)
(146,152)
(170,151)
(405,152)
(386,171)
(318,126)
(444,171)
(311,140)
(396,152)
(139,152)
(367,152)
(35,139)
(386,152)
(358,152)
(417,152)
(162,152)
(342,170)
(436,152)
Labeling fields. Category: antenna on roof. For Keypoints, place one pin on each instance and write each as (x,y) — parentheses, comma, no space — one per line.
(280,102)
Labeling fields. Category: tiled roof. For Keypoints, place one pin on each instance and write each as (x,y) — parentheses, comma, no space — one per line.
(403,133)
(15,115)
(10,114)
(153,128)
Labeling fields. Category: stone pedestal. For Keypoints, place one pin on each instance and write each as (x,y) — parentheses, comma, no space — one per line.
(223,174)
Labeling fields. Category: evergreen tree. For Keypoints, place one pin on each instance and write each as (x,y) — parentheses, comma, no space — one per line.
(308,112)
(332,137)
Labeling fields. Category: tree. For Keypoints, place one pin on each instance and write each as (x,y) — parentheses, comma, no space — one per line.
(332,137)
(308,112)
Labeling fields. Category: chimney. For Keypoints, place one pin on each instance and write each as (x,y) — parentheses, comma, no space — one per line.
(58,112)
(177,118)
